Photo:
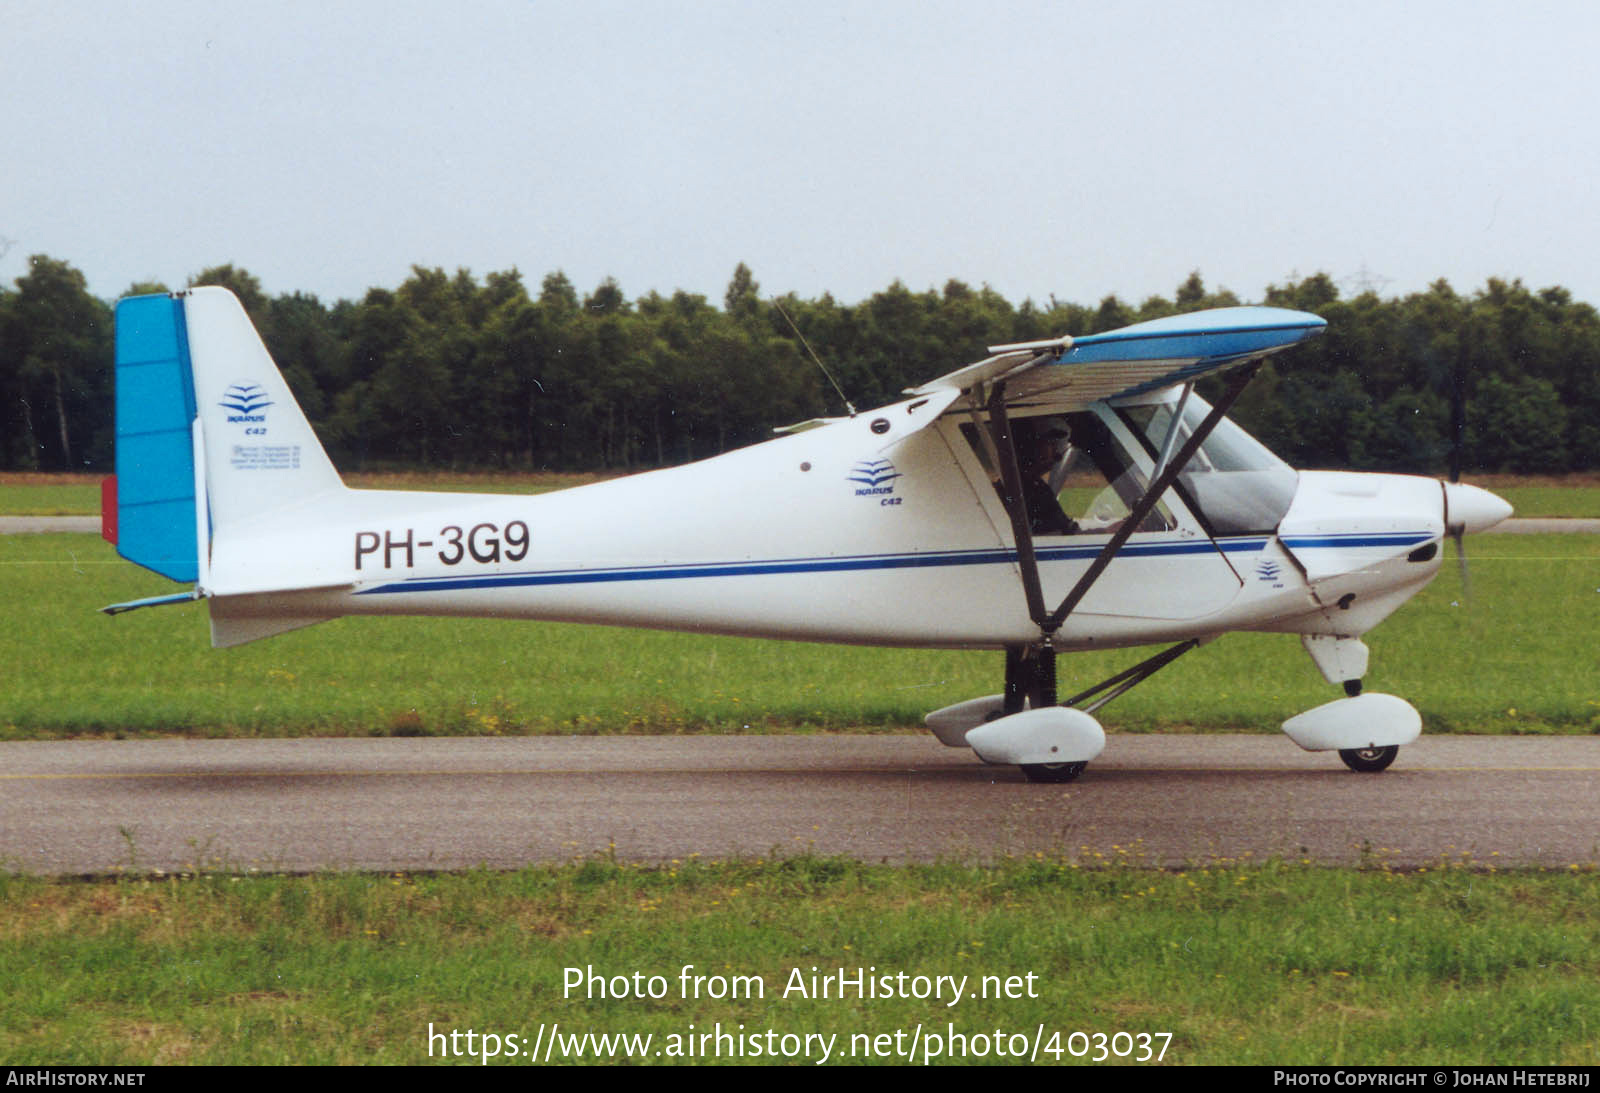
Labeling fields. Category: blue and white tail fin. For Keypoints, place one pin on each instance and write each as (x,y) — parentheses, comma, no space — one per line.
(261,456)
(210,441)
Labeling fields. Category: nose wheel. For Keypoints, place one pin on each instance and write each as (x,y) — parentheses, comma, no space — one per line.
(1369,760)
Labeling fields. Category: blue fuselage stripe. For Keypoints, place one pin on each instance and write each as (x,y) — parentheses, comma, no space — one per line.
(804,565)
(1357,539)
(868,562)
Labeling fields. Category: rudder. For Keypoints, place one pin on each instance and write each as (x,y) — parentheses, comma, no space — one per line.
(155,409)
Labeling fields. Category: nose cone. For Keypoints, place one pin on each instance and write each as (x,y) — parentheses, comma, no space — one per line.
(1470,509)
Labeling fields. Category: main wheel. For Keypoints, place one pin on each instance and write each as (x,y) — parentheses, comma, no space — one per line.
(1369,760)
(1052,772)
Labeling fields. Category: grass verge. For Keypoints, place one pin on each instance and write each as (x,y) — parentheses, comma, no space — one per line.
(1256,963)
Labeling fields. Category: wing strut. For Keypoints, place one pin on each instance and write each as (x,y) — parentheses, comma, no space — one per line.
(1148,502)
(1127,680)
(1016,506)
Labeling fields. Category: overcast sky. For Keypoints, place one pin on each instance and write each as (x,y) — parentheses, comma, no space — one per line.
(1066,149)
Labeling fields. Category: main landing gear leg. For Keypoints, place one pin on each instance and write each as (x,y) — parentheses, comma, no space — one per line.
(1030,678)
(1016,696)
(1032,671)
(1039,673)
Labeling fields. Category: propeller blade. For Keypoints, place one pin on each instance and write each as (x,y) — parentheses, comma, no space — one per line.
(1468,508)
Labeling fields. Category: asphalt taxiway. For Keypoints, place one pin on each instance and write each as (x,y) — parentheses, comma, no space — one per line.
(97,807)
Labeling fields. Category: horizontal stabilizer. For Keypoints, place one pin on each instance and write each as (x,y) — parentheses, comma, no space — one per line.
(153,601)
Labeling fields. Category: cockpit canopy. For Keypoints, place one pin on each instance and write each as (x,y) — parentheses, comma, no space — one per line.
(1233,483)
(1084,470)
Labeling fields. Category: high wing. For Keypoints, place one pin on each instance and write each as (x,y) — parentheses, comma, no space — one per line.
(1074,372)
(1135,359)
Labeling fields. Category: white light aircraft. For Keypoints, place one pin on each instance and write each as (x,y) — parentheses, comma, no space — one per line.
(933,522)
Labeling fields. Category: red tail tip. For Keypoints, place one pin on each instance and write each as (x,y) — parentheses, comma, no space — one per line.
(108,508)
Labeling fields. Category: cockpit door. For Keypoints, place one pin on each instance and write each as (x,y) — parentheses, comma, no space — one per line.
(1092,467)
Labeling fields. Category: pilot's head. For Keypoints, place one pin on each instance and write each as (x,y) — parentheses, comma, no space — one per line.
(1042,446)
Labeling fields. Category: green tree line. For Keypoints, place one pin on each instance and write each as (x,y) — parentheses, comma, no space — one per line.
(450,371)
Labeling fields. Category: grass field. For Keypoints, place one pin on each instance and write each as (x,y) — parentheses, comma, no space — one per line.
(1241,962)
(79,494)
(1522,656)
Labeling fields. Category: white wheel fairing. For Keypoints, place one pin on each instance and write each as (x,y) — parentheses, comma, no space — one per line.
(1371,720)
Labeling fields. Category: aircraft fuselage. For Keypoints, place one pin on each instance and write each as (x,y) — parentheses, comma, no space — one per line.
(873,529)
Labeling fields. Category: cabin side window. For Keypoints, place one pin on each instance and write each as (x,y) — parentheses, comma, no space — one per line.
(1234,482)
(1076,477)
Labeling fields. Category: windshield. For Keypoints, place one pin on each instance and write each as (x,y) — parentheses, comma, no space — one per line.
(1234,482)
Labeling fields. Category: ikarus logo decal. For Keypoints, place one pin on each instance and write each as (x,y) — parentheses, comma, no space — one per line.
(247,405)
(875,478)
(1269,572)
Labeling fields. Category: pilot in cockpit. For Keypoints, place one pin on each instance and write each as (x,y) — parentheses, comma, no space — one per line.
(1041,446)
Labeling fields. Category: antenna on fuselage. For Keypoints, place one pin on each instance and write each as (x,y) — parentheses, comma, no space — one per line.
(848,405)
